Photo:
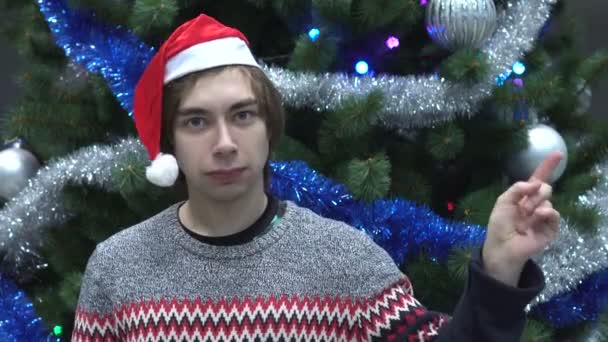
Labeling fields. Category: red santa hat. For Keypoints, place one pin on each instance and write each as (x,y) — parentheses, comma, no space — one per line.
(199,44)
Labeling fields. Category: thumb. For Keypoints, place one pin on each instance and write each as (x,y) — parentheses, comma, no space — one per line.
(520,190)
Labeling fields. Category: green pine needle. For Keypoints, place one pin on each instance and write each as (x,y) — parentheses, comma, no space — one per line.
(39,78)
(336,149)
(128,176)
(543,90)
(458,263)
(292,149)
(576,184)
(538,59)
(535,331)
(477,206)
(110,12)
(446,142)
(369,179)
(433,284)
(594,67)
(411,185)
(327,140)
(583,219)
(334,10)
(466,66)
(70,288)
(507,138)
(602,326)
(503,98)
(355,117)
(288,8)
(316,55)
(373,14)
(151,16)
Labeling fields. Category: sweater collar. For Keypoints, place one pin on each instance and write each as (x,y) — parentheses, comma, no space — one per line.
(178,234)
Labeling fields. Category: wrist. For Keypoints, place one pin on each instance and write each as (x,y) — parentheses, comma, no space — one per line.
(502,269)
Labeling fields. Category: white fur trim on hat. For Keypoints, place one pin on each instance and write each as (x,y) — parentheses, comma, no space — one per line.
(207,55)
(163,171)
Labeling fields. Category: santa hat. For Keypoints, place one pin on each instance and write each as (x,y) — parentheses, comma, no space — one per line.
(199,44)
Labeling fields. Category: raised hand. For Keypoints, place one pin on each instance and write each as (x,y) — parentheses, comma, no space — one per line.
(522,223)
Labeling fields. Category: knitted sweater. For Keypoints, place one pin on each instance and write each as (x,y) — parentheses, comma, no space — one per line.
(306,278)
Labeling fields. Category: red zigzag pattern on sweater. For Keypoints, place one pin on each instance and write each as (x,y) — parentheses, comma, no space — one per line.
(389,313)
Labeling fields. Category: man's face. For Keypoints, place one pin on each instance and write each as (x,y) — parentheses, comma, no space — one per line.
(221,142)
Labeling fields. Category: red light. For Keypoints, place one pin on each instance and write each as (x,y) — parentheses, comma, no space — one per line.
(451,206)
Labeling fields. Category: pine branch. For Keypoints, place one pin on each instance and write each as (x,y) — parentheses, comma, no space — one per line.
(129,176)
(289,8)
(507,139)
(458,263)
(435,287)
(69,289)
(446,142)
(535,331)
(543,90)
(315,56)
(334,10)
(582,218)
(411,185)
(577,184)
(466,66)
(152,16)
(373,14)
(292,149)
(477,206)
(368,179)
(355,117)
(594,67)
(112,12)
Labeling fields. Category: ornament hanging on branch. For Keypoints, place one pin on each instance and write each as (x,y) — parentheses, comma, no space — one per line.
(455,24)
(542,140)
(17,165)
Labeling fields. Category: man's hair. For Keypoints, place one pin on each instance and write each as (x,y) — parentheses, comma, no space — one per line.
(270,108)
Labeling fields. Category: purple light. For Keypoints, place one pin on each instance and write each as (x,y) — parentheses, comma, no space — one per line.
(423,2)
(392,42)
(518,82)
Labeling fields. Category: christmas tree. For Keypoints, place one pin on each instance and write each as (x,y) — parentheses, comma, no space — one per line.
(430,106)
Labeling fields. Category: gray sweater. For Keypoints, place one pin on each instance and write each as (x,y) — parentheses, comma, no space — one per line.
(307,278)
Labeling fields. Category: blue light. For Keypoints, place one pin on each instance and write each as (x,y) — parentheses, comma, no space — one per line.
(500,79)
(519,68)
(314,33)
(362,67)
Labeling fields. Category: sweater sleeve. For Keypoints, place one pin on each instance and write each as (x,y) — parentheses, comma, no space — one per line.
(94,319)
(488,310)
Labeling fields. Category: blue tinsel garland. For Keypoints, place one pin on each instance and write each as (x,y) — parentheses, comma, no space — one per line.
(18,321)
(399,226)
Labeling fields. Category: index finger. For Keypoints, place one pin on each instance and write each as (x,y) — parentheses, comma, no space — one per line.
(543,171)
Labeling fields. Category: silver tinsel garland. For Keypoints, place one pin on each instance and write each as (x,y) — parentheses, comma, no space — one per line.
(574,256)
(566,262)
(421,101)
(39,205)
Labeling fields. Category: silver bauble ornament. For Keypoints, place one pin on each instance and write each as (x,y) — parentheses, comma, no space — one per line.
(543,140)
(454,24)
(17,165)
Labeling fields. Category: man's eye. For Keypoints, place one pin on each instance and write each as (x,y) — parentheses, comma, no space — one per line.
(195,122)
(244,115)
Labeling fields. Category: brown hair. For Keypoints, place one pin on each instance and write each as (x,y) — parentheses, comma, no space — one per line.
(269,105)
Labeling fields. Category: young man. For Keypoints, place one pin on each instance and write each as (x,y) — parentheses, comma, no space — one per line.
(233,263)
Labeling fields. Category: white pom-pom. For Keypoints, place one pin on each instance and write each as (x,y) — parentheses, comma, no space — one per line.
(163,171)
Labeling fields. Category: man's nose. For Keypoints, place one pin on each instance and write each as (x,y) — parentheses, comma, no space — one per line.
(225,143)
